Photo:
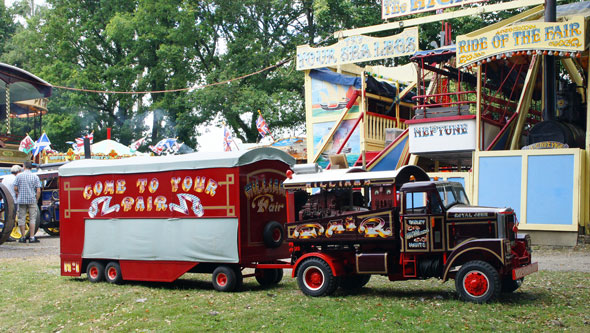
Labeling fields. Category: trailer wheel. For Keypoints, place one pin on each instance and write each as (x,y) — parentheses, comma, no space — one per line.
(315,278)
(273,234)
(226,279)
(268,277)
(95,271)
(509,285)
(477,282)
(353,282)
(112,273)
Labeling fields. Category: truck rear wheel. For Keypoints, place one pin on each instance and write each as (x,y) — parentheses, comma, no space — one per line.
(95,271)
(353,282)
(268,277)
(509,285)
(226,279)
(477,282)
(112,273)
(315,278)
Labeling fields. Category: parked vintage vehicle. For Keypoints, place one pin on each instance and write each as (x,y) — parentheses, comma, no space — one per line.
(348,224)
(156,218)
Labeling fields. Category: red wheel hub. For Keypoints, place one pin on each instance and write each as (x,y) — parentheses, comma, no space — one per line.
(476,283)
(314,278)
(276,235)
(93,272)
(112,273)
(221,279)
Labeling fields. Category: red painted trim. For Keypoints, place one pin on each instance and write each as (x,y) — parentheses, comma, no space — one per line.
(353,99)
(378,115)
(335,267)
(270,266)
(437,120)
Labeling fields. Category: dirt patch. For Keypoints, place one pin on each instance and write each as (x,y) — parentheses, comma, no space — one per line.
(48,245)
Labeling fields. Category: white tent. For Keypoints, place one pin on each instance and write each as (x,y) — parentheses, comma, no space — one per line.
(106,146)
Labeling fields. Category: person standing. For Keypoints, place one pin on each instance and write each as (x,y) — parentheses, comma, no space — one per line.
(27,188)
(8,181)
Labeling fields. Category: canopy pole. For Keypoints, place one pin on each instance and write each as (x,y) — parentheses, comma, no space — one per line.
(549,68)
(8,109)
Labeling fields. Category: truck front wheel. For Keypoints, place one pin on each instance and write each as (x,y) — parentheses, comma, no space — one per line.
(477,282)
(95,271)
(315,278)
(226,279)
(112,273)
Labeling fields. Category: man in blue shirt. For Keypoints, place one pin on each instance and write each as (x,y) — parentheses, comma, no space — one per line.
(27,188)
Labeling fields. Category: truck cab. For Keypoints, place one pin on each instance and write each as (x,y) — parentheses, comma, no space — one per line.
(349,224)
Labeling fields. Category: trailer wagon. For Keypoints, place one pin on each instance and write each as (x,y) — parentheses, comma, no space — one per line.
(156,218)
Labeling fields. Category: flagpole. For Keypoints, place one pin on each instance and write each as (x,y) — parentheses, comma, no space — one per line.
(269,132)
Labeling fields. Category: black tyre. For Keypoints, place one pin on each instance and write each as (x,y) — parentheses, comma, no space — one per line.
(52,231)
(95,271)
(7,213)
(112,273)
(226,278)
(273,234)
(509,285)
(268,277)
(353,282)
(477,282)
(315,278)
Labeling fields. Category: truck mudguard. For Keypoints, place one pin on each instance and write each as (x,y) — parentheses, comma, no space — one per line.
(335,265)
(474,249)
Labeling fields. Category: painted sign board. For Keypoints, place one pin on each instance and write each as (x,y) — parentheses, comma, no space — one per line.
(452,135)
(357,49)
(567,36)
(397,8)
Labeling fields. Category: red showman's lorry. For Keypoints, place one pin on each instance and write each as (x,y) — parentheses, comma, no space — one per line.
(348,224)
(156,218)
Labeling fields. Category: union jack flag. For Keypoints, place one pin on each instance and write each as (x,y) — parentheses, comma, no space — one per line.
(79,145)
(262,126)
(227,139)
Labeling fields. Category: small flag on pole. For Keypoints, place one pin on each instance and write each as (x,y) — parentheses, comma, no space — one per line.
(41,144)
(79,146)
(135,145)
(168,145)
(26,145)
(261,125)
(227,138)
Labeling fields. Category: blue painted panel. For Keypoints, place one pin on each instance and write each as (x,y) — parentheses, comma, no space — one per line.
(500,182)
(458,180)
(389,161)
(550,189)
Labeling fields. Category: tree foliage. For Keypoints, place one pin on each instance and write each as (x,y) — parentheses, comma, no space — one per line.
(144,45)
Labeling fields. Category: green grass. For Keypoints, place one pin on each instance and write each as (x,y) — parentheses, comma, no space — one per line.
(33,297)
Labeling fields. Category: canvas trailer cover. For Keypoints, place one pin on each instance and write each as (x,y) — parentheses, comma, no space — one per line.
(161,216)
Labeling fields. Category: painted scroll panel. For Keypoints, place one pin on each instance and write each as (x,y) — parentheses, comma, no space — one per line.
(550,189)
(569,36)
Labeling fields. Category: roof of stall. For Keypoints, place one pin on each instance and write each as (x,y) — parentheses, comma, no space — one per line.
(23,85)
(353,177)
(200,160)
